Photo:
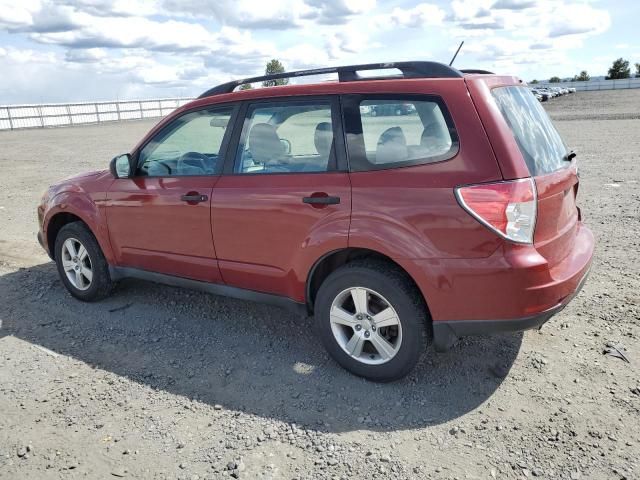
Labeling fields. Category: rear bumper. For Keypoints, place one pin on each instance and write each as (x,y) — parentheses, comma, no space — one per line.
(446,334)
(514,289)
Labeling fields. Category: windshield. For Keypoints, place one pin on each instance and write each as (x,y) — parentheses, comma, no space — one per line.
(542,147)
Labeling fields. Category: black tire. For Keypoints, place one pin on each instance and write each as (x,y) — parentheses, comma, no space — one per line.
(395,286)
(101,284)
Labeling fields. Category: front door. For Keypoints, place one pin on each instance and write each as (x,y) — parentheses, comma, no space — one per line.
(285,199)
(159,220)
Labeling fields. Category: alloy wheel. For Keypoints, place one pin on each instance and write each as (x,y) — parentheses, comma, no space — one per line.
(77,264)
(365,325)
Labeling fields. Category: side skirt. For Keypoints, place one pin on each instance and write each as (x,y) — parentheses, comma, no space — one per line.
(118,273)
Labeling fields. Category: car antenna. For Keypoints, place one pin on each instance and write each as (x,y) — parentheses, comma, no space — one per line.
(456,54)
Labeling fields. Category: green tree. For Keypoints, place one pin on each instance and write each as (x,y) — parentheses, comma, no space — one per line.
(554,80)
(619,69)
(274,66)
(245,86)
(582,77)
(534,81)
(637,70)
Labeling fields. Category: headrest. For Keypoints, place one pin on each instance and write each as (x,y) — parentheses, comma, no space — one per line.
(392,146)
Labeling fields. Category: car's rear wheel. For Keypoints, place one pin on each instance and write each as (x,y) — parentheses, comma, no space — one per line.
(372,320)
(81,264)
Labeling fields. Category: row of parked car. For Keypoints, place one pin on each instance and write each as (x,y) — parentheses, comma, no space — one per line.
(545,93)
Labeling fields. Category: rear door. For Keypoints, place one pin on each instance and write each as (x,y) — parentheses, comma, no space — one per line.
(285,199)
(546,158)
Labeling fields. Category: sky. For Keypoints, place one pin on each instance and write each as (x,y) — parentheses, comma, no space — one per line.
(83,50)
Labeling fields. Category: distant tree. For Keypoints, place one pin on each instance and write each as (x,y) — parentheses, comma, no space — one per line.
(274,66)
(534,81)
(583,77)
(554,80)
(637,70)
(619,69)
(245,86)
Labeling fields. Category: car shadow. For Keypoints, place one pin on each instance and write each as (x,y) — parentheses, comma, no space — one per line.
(244,356)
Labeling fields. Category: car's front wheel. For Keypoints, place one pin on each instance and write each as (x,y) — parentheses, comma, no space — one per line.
(372,320)
(81,264)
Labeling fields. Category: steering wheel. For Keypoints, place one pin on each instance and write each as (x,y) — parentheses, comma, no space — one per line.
(193,160)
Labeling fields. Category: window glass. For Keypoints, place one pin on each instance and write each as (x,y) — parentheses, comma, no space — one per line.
(281,138)
(402,132)
(190,145)
(539,141)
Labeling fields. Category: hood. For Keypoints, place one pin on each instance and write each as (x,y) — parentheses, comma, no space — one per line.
(79,177)
(95,181)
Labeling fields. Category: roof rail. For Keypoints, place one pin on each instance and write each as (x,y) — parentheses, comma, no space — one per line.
(475,70)
(349,73)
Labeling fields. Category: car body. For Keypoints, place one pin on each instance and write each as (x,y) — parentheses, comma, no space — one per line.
(458,218)
(538,96)
(545,93)
(391,109)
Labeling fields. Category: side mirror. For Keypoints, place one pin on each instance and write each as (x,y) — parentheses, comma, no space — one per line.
(120,166)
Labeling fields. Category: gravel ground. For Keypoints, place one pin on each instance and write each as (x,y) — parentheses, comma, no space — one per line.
(159,382)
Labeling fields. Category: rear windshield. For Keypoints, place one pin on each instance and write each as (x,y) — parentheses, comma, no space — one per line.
(540,143)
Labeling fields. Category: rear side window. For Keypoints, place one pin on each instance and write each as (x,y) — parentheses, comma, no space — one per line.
(389,132)
(540,143)
(287,137)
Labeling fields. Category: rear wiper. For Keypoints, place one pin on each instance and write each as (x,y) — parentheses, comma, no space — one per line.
(570,156)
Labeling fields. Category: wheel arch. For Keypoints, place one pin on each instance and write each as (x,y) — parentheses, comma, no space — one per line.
(67,207)
(333,260)
(55,224)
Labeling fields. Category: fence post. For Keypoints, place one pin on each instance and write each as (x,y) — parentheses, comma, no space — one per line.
(69,114)
(95,106)
(9,117)
(118,110)
(39,110)
(140,105)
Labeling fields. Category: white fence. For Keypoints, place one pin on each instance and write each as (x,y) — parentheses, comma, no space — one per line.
(63,114)
(596,84)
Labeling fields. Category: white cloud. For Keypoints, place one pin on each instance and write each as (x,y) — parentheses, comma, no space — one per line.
(272,14)
(15,14)
(422,15)
(578,19)
(148,45)
(129,32)
(114,7)
(514,4)
(332,12)
(463,10)
(344,42)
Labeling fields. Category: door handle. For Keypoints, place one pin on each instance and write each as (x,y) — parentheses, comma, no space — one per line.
(321,200)
(194,198)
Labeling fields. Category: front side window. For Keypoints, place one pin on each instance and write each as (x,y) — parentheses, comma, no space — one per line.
(396,132)
(542,147)
(287,138)
(190,145)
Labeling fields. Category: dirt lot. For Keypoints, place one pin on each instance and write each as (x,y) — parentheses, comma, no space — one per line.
(158,382)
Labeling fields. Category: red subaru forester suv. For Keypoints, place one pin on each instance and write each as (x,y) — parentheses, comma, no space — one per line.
(399,210)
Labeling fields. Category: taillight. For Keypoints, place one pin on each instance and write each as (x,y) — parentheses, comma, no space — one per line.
(508,208)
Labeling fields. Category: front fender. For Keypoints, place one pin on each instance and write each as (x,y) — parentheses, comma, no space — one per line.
(90,210)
